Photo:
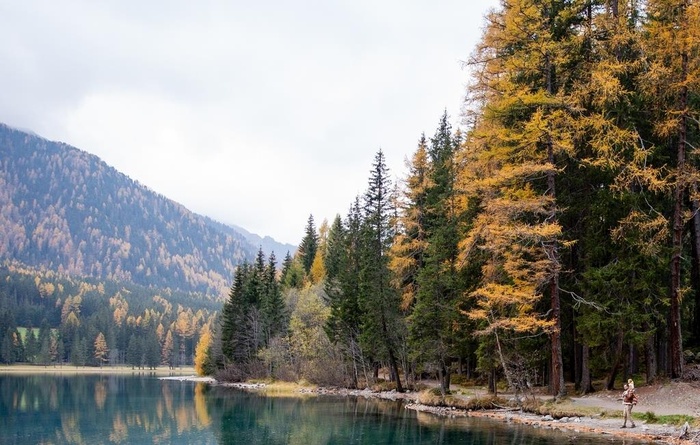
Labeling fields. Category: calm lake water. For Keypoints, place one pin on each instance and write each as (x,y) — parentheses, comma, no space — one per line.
(109,409)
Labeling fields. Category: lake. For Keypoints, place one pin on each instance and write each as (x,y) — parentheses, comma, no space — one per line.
(139,409)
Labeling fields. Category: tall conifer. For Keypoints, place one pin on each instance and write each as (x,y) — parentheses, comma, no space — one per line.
(523,131)
(379,301)
(309,245)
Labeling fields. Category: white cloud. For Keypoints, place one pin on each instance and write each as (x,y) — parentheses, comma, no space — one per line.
(253,113)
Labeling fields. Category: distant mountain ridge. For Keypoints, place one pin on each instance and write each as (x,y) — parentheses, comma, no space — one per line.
(66,210)
(266,243)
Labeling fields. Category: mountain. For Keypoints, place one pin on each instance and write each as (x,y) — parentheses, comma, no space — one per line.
(65,210)
(266,243)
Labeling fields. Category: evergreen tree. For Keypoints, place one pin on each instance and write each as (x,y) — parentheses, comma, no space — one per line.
(44,343)
(9,348)
(292,276)
(343,325)
(78,351)
(671,85)
(308,246)
(151,350)
(601,191)
(335,253)
(433,317)
(232,318)
(378,300)
(135,352)
(273,307)
(31,346)
(254,313)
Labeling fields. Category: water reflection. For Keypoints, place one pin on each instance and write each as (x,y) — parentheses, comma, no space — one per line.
(54,409)
(253,419)
(118,409)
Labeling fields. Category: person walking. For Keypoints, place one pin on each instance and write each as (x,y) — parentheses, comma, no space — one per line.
(629,399)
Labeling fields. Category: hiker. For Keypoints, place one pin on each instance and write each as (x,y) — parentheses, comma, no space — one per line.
(629,399)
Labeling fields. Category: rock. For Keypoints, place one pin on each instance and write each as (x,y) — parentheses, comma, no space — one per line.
(548,418)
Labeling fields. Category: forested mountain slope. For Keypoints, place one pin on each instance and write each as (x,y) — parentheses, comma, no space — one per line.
(65,210)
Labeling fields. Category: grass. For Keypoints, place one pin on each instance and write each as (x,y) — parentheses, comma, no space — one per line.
(433,397)
(561,408)
(673,419)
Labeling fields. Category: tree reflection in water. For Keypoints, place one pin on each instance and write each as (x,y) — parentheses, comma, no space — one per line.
(118,409)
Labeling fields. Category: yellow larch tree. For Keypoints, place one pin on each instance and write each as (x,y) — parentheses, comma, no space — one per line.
(101,349)
(201,355)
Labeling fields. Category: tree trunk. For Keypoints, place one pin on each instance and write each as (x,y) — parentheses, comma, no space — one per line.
(392,356)
(493,388)
(675,343)
(557,378)
(695,270)
(576,354)
(610,383)
(444,379)
(586,384)
(650,352)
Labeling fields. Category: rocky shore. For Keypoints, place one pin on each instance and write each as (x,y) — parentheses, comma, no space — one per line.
(603,424)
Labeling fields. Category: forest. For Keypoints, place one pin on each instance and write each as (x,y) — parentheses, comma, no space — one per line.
(553,238)
(51,319)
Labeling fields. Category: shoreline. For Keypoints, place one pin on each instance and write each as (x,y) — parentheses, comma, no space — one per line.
(596,425)
(72,369)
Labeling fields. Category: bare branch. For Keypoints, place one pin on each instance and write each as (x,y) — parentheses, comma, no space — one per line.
(579,300)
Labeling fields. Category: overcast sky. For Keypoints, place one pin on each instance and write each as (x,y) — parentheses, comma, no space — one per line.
(255,113)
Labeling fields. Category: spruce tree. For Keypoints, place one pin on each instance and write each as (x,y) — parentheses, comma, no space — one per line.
(309,245)
(343,325)
(378,300)
(273,307)
(433,317)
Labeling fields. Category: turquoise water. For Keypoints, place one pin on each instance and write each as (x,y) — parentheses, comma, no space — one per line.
(100,409)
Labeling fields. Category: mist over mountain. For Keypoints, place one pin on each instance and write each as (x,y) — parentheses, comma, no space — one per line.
(66,210)
(266,243)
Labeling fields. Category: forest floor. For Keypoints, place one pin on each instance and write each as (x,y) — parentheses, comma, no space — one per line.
(660,414)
